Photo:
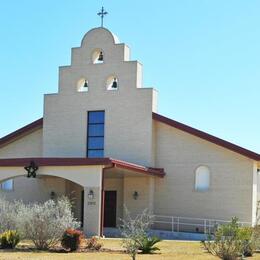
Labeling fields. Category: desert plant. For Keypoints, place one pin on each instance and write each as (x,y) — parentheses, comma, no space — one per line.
(230,241)
(45,223)
(133,230)
(9,239)
(8,214)
(72,239)
(246,238)
(147,244)
(93,244)
(256,237)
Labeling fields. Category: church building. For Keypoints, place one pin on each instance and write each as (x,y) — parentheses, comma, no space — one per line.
(102,143)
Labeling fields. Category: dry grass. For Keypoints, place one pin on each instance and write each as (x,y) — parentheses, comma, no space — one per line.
(180,250)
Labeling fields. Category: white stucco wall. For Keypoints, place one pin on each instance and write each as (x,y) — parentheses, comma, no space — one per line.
(86,176)
(232,178)
(145,188)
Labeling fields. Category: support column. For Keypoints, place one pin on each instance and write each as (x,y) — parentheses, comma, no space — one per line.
(151,194)
(93,203)
(92,211)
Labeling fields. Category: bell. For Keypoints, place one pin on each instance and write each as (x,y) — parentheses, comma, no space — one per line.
(100,57)
(114,85)
(85,84)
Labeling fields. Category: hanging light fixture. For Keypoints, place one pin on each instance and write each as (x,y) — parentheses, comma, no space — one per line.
(100,57)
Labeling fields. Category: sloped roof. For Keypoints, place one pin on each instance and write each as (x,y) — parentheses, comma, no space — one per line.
(21,132)
(210,138)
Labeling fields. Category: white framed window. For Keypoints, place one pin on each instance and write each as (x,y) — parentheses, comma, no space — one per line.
(202,178)
(7,185)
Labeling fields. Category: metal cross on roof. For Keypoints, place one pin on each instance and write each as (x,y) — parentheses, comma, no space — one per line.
(102,13)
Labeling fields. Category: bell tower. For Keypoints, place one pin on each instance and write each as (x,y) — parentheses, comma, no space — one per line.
(101,77)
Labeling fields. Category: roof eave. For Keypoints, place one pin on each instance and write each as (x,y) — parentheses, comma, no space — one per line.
(21,132)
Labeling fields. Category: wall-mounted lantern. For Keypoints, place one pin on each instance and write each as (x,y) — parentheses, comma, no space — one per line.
(52,195)
(135,195)
(91,194)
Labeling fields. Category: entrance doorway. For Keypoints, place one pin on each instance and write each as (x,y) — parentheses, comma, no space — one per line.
(110,209)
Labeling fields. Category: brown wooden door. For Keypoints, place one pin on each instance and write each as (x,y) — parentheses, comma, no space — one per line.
(110,209)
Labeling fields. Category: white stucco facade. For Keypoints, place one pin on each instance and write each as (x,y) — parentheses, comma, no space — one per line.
(149,145)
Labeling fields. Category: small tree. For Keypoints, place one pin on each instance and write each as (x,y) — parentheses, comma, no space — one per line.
(45,223)
(133,230)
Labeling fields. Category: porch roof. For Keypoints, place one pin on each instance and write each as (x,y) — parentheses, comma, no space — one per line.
(107,162)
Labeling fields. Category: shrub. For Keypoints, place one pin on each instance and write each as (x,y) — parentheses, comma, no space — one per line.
(45,223)
(9,239)
(245,236)
(8,215)
(146,244)
(134,230)
(231,241)
(93,244)
(72,239)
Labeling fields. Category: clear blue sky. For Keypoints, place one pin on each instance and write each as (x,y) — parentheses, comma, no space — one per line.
(202,55)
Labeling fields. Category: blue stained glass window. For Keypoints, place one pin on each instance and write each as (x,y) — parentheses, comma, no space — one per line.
(96,130)
(95,141)
(96,153)
(95,117)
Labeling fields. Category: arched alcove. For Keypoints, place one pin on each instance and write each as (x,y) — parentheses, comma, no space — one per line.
(97,56)
(112,83)
(82,85)
(43,188)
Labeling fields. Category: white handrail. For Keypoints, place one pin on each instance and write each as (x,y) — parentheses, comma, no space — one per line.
(206,224)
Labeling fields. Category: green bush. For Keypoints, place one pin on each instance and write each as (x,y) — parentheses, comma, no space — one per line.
(146,244)
(256,237)
(231,241)
(9,239)
(245,235)
(93,244)
(72,239)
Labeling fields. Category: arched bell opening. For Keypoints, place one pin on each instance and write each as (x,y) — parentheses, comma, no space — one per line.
(82,85)
(43,188)
(112,83)
(98,56)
